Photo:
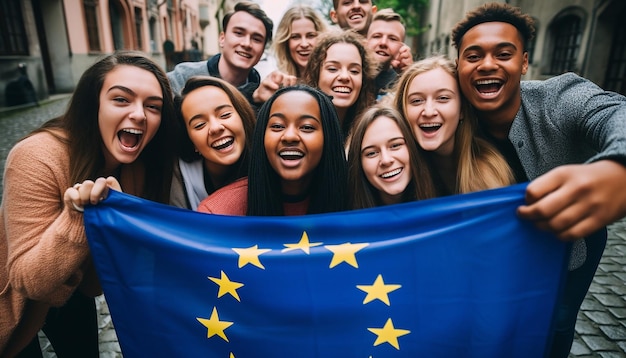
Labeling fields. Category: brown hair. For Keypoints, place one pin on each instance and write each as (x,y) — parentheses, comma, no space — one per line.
(255,10)
(316,60)
(336,2)
(362,192)
(241,105)
(80,123)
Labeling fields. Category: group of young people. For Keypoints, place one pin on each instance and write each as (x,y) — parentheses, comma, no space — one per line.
(347,121)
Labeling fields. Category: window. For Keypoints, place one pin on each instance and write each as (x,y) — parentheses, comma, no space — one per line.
(91,19)
(530,46)
(13,40)
(616,71)
(138,28)
(567,33)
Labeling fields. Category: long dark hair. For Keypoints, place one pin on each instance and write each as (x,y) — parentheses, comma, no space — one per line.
(80,125)
(328,190)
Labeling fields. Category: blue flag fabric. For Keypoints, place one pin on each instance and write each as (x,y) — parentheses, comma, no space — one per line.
(459,276)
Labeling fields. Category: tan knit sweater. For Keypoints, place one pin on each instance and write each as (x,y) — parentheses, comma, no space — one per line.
(44,255)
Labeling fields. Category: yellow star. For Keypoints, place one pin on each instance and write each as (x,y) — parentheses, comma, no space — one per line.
(388,334)
(231,355)
(250,255)
(214,325)
(345,253)
(303,244)
(226,286)
(378,290)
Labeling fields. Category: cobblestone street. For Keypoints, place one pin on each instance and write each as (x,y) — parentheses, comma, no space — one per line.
(601,325)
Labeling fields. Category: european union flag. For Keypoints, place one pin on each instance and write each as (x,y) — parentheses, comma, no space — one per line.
(459,276)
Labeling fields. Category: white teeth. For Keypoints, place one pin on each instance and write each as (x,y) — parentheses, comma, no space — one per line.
(221,142)
(133,131)
(488,82)
(342,89)
(244,54)
(292,153)
(430,125)
(381,53)
(356,16)
(391,173)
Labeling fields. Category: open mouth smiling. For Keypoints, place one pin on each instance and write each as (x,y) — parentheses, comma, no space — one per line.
(391,174)
(430,127)
(130,137)
(291,154)
(356,16)
(488,86)
(243,54)
(342,89)
(223,143)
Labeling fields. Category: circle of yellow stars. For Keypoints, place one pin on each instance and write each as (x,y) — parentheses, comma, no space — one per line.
(342,253)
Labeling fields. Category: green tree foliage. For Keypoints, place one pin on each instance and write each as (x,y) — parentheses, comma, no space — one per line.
(410,10)
(324,7)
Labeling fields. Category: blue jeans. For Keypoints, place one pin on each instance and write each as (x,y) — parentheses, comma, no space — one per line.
(577,284)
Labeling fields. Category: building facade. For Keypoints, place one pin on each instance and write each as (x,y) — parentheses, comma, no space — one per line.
(583,36)
(56,40)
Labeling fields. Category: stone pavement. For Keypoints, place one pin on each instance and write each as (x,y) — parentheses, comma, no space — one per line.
(601,324)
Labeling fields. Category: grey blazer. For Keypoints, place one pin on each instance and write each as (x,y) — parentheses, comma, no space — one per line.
(568,120)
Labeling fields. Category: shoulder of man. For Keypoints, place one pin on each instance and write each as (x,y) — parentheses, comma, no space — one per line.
(562,81)
(183,71)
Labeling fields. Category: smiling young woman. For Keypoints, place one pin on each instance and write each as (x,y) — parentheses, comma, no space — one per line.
(115,134)
(344,69)
(296,35)
(429,97)
(297,163)
(384,164)
(216,132)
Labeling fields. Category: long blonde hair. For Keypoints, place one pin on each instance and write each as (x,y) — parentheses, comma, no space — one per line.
(479,164)
(283,33)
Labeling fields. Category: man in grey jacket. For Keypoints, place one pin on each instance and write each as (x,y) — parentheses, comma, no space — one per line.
(246,31)
(565,134)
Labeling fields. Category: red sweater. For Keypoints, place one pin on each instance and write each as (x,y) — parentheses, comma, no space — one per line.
(233,200)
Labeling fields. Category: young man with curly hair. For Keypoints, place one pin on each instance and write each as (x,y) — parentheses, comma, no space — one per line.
(565,134)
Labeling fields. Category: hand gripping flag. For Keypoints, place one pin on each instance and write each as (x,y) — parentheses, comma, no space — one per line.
(459,276)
